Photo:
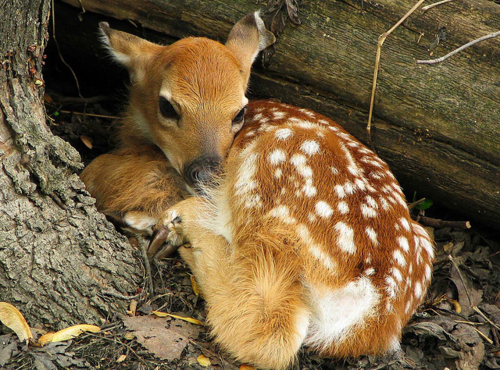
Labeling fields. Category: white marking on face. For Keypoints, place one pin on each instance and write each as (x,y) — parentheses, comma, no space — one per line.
(354,303)
(403,243)
(283,213)
(310,147)
(345,237)
(400,258)
(283,133)
(323,209)
(276,157)
(372,234)
(343,208)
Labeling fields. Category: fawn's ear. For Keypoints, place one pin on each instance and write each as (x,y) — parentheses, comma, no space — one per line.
(247,38)
(128,50)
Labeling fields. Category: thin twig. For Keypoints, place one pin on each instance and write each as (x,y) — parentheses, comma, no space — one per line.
(439,224)
(149,277)
(426,8)
(439,60)
(483,335)
(381,40)
(121,296)
(89,114)
(59,51)
(475,308)
(462,279)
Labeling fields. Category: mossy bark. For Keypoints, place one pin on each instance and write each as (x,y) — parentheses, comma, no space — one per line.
(437,126)
(58,255)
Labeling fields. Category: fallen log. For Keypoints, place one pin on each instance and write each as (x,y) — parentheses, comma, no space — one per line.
(436,125)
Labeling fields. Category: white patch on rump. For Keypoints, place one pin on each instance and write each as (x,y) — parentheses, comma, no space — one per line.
(335,313)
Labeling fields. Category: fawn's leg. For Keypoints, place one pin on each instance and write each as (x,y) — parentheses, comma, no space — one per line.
(133,187)
(255,301)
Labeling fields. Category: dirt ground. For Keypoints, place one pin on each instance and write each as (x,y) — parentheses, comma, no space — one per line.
(458,327)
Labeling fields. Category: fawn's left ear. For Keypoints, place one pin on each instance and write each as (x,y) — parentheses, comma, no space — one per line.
(247,38)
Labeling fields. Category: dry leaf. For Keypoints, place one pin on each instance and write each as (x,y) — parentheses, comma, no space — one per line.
(14,320)
(195,286)
(247,367)
(87,141)
(132,308)
(121,358)
(188,319)
(204,361)
(456,305)
(129,336)
(165,339)
(68,333)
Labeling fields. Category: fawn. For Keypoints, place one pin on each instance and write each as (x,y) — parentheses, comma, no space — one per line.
(300,235)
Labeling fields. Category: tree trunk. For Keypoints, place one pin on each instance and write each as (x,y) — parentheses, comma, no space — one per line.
(58,255)
(436,125)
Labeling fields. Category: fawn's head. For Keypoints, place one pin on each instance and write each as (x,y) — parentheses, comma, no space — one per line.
(188,98)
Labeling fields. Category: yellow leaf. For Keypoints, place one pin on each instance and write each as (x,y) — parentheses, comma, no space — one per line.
(456,305)
(14,320)
(195,286)
(68,333)
(204,361)
(121,358)
(188,319)
(247,367)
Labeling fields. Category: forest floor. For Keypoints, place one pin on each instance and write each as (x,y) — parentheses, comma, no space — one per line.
(458,326)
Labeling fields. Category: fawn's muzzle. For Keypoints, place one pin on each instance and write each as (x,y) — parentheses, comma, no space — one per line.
(201,172)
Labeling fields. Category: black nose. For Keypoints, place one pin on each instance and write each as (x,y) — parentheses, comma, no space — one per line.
(201,171)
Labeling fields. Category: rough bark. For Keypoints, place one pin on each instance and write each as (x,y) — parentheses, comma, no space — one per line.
(435,125)
(58,255)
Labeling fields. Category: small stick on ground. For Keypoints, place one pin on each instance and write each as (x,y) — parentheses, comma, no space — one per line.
(147,265)
(426,8)
(381,40)
(439,60)
(89,114)
(439,224)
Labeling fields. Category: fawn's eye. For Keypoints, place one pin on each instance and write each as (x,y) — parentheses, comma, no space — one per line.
(239,117)
(167,110)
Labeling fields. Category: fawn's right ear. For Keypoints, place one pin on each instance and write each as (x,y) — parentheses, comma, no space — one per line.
(128,50)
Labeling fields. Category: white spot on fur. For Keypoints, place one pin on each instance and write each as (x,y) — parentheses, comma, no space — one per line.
(334,171)
(299,161)
(323,209)
(428,272)
(397,274)
(339,189)
(309,189)
(311,217)
(418,290)
(400,258)
(278,173)
(403,243)
(371,202)
(353,303)
(343,207)
(310,147)
(383,202)
(279,115)
(283,213)
(372,234)
(283,133)
(316,249)
(391,286)
(404,222)
(368,212)
(253,201)
(360,184)
(370,271)
(345,237)
(247,170)
(276,157)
